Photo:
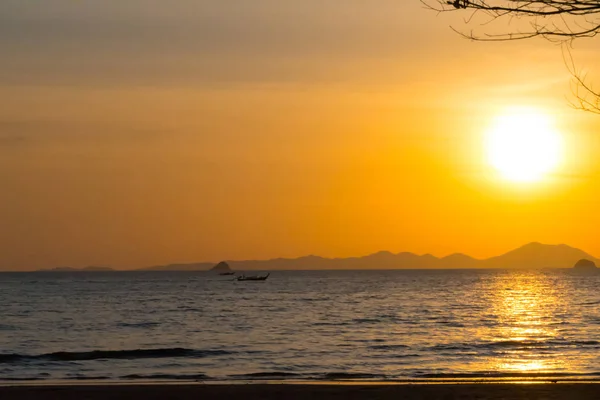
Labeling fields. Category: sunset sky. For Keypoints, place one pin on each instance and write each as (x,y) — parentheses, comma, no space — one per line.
(141,132)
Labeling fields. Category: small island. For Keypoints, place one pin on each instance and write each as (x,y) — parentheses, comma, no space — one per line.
(221,267)
(584,264)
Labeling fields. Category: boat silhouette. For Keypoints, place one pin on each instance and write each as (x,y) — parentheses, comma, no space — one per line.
(252,277)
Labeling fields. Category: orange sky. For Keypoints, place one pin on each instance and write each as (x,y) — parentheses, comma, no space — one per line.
(138,134)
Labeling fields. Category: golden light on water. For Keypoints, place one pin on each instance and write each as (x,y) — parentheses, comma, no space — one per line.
(523,366)
(523,145)
(526,307)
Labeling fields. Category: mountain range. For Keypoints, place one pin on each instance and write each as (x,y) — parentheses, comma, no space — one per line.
(532,255)
(85,269)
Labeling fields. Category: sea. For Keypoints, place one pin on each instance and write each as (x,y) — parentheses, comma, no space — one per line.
(401,325)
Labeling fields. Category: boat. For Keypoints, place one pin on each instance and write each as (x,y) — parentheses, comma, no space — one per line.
(252,277)
(227,273)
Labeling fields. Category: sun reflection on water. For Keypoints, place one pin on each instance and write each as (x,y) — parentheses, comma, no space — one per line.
(526,306)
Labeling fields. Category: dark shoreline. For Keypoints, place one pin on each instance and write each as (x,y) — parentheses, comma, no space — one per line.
(383,391)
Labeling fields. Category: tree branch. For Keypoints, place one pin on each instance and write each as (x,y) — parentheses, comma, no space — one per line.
(555,20)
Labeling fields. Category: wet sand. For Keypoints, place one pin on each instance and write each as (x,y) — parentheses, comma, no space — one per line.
(530,391)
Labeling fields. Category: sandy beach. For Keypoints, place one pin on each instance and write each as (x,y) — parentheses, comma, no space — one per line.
(492,391)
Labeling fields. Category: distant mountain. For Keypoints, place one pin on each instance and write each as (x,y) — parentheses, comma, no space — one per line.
(453,260)
(69,269)
(181,267)
(93,268)
(538,255)
(532,255)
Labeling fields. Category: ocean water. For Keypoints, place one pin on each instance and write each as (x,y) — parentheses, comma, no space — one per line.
(300,325)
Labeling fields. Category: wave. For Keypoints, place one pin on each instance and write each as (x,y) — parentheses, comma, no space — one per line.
(366,321)
(7,327)
(328,376)
(451,324)
(331,376)
(520,344)
(388,347)
(324,323)
(589,303)
(17,379)
(89,378)
(112,355)
(497,374)
(334,376)
(138,324)
(166,377)
(266,375)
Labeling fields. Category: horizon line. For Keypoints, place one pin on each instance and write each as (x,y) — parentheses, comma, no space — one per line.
(90,267)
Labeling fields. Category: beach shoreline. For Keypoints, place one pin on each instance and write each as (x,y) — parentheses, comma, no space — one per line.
(313,390)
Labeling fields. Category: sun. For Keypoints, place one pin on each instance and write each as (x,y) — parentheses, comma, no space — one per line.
(523,145)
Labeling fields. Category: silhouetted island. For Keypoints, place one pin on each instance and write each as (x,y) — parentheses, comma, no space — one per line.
(585,264)
(221,267)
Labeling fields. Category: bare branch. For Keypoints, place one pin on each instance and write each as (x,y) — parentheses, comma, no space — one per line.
(555,20)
